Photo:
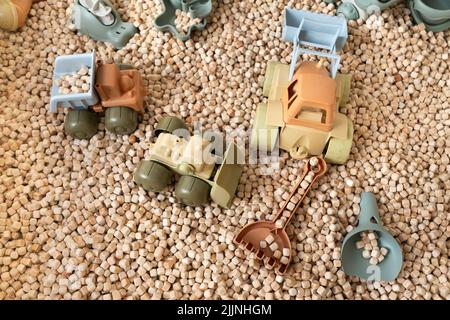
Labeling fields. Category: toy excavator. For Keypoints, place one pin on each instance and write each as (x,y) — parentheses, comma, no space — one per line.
(301,114)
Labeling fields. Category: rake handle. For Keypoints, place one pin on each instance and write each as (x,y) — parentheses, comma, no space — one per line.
(320,171)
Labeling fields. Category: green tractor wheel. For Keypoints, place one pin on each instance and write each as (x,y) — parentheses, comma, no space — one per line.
(121,120)
(170,124)
(270,69)
(152,176)
(192,191)
(338,150)
(343,82)
(81,124)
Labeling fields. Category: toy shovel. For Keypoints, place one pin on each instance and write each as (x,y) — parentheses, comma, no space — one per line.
(354,263)
(268,239)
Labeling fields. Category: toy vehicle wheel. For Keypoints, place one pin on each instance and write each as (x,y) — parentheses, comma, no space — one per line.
(121,120)
(263,137)
(338,150)
(170,124)
(81,124)
(123,66)
(192,191)
(152,176)
(348,11)
(270,69)
(343,82)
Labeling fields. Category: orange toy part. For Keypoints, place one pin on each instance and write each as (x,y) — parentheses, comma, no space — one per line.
(23,8)
(311,89)
(119,87)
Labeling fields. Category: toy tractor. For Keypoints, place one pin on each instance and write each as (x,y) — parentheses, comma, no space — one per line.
(301,115)
(115,89)
(194,159)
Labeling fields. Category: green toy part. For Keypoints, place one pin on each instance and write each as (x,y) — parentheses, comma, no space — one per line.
(102,22)
(152,176)
(435,14)
(227,176)
(263,137)
(81,124)
(348,11)
(343,81)
(353,263)
(196,8)
(192,191)
(269,77)
(170,124)
(338,150)
(362,9)
(121,120)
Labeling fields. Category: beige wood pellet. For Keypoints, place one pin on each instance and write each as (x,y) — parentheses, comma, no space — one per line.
(290,206)
(183,21)
(78,82)
(270,238)
(273,246)
(277,254)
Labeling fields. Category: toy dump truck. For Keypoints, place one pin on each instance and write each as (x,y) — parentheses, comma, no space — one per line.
(114,89)
(301,115)
(194,159)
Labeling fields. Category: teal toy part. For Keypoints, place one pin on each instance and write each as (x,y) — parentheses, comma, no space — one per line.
(353,263)
(362,9)
(195,8)
(71,64)
(435,14)
(100,21)
(315,34)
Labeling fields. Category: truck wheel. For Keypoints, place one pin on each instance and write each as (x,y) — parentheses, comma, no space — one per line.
(170,124)
(270,69)
(192,191)
(152,176)
(81,124)
(124,66)
(338,150)
(343,82)
(121,120)
(348,11)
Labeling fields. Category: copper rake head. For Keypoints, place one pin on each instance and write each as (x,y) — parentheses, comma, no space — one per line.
(268,239)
